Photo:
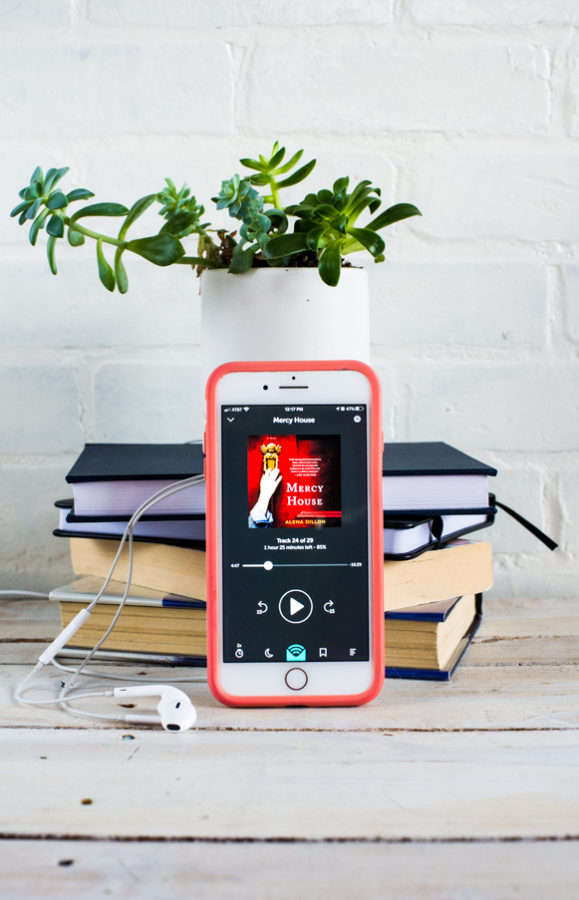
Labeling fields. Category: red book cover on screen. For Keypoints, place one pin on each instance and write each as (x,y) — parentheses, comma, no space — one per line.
(294,481)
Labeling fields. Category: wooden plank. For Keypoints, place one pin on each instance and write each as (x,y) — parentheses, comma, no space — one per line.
(506,648)
(529,607)
(262,871)
(290,785)
(496,697)
(30,619)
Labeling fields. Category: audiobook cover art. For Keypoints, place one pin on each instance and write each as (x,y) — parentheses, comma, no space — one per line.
(294,481)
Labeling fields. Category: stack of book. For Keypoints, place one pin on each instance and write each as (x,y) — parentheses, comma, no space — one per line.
(434,577)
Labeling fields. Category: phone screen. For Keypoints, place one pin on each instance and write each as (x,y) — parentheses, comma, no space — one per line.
(295,576)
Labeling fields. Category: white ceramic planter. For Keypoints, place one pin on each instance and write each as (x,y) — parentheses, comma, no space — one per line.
(277,313)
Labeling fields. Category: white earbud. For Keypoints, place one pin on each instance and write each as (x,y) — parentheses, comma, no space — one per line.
(176,712)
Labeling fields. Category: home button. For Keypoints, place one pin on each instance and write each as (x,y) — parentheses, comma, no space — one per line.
(296,679)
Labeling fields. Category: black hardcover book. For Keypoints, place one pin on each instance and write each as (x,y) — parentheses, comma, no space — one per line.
(66,508)
(154,528)
(194,543)
(408,537)
(115,479)
(137,462)
(433,477)
(121,462)
(431,458)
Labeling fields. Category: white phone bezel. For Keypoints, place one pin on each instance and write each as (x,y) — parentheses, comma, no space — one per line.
(340,387)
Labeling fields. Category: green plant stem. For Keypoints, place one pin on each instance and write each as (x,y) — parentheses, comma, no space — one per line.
(198,261)
(275,194)
(93,234)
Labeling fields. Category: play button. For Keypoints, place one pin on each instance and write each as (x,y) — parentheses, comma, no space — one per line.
(295,606)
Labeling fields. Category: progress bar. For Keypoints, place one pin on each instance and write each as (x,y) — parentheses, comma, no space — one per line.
(268,565)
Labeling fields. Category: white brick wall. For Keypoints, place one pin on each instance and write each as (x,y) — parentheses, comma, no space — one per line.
(470,110)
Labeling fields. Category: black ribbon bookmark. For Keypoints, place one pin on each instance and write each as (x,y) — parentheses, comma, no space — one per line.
(549,542)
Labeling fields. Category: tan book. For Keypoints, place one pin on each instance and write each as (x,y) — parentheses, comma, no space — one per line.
(464,567)
(150,621)
(414,643)
(164,567)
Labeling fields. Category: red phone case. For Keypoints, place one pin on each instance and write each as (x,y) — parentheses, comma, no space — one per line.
(376,547)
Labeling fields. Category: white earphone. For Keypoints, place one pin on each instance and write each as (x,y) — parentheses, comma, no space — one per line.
(176,712)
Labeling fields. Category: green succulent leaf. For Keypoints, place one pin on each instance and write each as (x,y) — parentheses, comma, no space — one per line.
(276,159)
(75,238)
(340,191)
(37,177)
(106,274)
(325,211)
(278,219)
(79,194)
(253,164)
(55,226)
(368,239)
(394,214)
(360,189)
(37,225)
(363,203)
(53,176)
(260,180)
(33,191)
(180,225)
(285,245)
(298,175)
(22,207)
(100,209)
(242,260)
(290,163)
(323,196)
(57,200)
(136,210)
(121,273)
(161,249)
(313,238)
(330,264)
(50,246)
(33,209)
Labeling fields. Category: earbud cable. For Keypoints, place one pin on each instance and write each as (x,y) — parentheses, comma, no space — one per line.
(54,648)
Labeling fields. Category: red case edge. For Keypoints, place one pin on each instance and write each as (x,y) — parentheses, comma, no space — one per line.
(377,548)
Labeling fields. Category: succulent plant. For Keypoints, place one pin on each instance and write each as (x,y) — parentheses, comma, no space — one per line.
(325,224)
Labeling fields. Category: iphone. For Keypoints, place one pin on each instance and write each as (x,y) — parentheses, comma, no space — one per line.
(295,610)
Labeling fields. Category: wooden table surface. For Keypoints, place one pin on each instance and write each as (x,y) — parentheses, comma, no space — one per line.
(461,790)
